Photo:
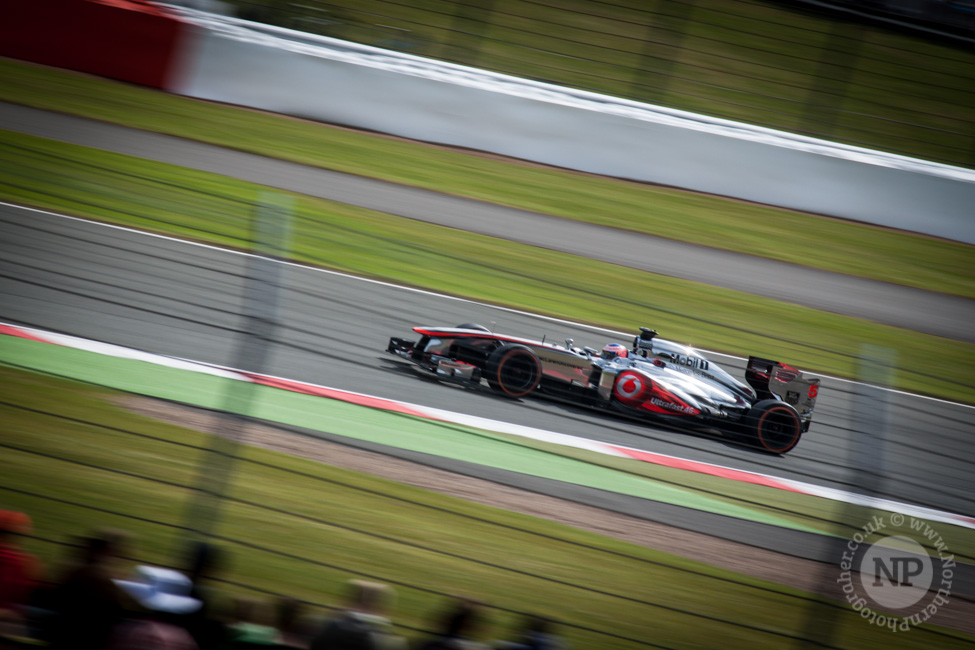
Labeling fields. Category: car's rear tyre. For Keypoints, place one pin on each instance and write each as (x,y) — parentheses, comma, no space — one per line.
(513,370)
(472,326)
(775,426)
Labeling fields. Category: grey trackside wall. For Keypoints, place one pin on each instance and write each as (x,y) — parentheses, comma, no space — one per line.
(334,81)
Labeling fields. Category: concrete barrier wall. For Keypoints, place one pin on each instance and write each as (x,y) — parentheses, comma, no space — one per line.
(333,81)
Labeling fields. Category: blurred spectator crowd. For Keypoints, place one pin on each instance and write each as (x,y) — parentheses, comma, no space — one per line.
(98,601)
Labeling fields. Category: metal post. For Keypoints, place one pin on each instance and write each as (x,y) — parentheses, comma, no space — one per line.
(870,431)
(470,19)
(270,243)
(661,51)
(829,88)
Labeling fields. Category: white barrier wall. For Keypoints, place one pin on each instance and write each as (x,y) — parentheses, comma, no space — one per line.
(333,81)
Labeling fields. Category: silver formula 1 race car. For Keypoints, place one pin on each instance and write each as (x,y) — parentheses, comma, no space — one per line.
(654,379)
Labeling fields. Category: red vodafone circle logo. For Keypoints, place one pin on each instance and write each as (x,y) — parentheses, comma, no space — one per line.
(631,388)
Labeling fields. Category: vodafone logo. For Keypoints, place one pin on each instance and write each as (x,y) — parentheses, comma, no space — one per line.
(631,388)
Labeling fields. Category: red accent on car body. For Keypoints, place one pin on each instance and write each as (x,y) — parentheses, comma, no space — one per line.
(637,390)
(468,334)
(672,404)
(785,373)
(454,333)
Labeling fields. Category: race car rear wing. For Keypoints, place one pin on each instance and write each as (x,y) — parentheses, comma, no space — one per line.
(774,380)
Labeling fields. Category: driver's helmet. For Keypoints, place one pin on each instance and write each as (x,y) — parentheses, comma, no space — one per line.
(613,350)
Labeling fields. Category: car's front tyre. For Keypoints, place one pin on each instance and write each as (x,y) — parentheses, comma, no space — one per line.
(513,370)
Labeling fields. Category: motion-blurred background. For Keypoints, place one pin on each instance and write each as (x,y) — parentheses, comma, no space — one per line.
(710,545)
(890,75)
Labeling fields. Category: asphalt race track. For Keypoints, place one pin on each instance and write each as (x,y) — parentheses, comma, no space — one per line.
(172,298)
(915,309)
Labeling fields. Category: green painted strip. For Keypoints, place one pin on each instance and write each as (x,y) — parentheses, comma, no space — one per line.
(354,421)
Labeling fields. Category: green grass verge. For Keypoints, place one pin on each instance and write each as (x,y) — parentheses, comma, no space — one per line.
(711,221)
(828,516)
(72,461)
(195,204)
(514,453)
(355,422)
